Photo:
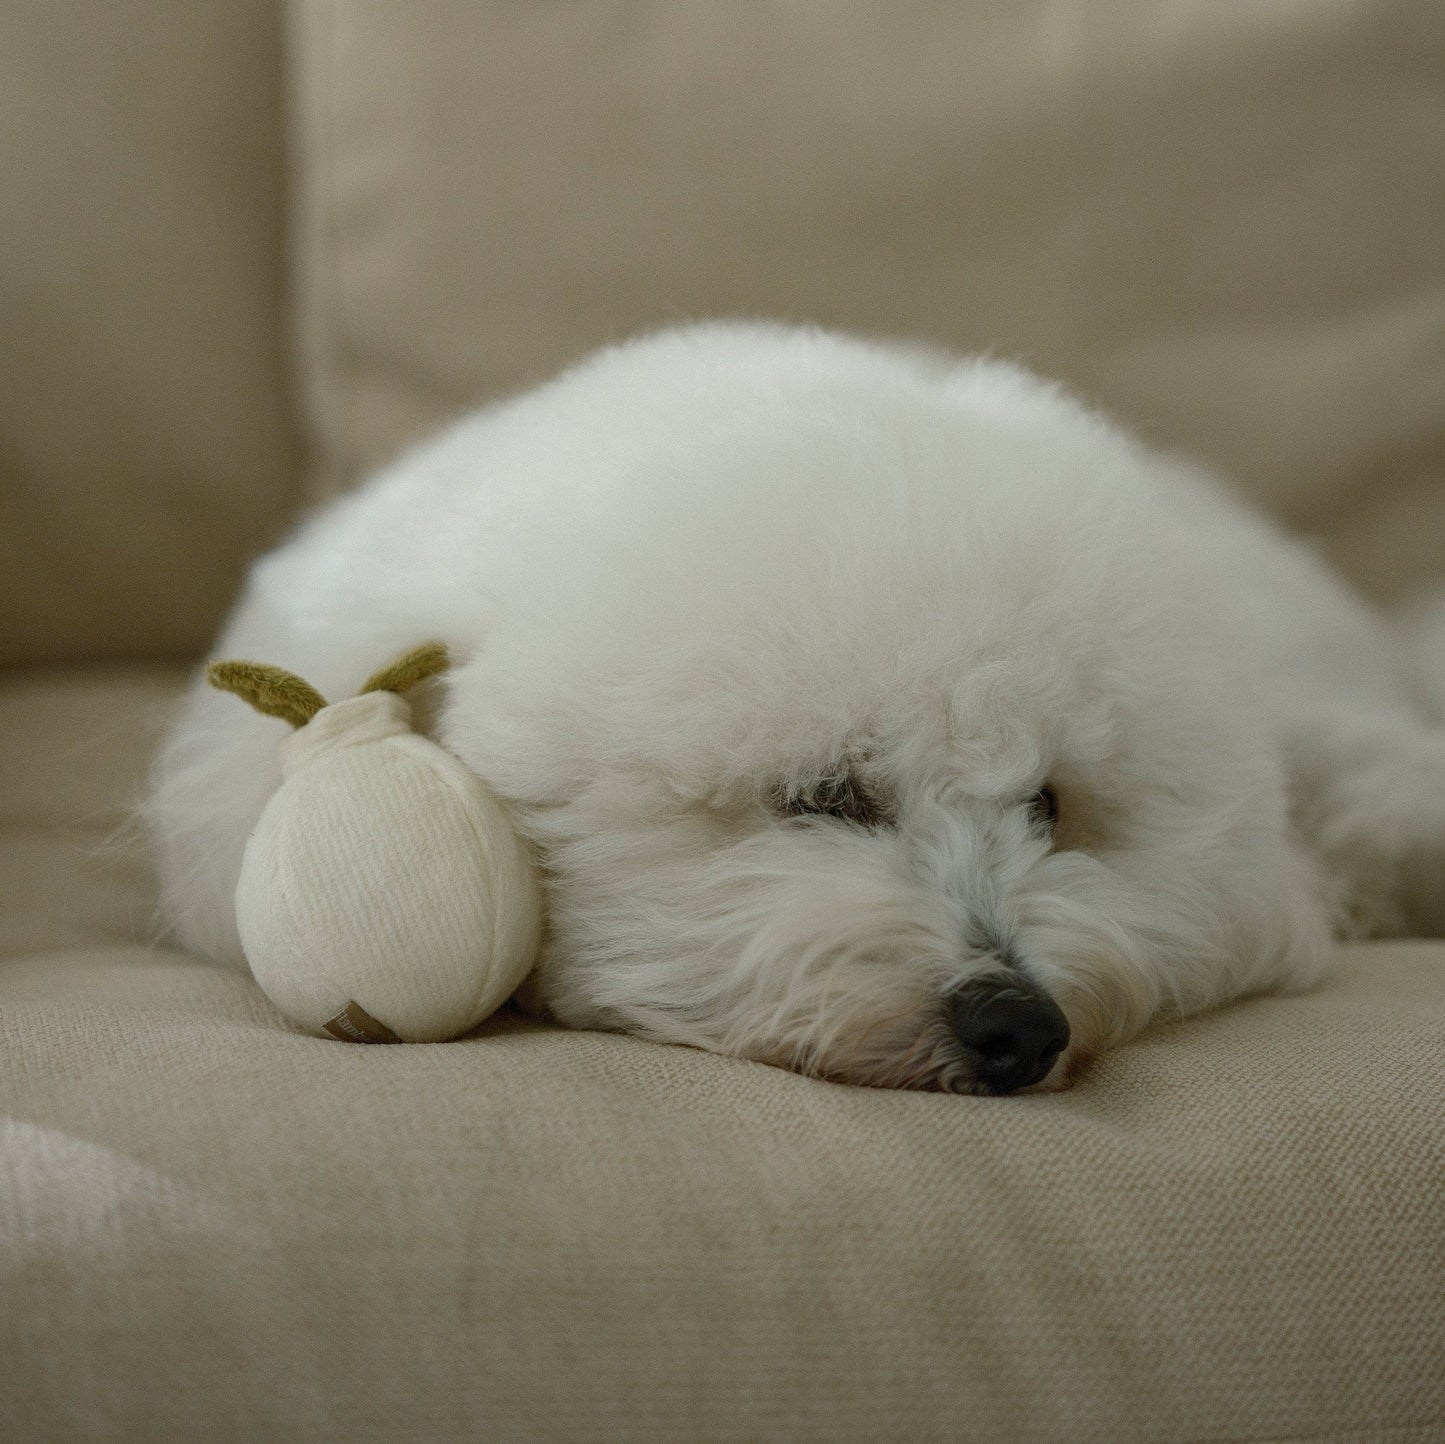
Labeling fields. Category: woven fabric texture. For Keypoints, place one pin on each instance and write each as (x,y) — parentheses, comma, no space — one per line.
(1221,222)
(212,1226)
(147,440)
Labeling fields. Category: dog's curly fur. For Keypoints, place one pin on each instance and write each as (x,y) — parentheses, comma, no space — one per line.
(828,677)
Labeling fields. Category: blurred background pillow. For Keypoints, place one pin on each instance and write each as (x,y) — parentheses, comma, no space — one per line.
(1223,223)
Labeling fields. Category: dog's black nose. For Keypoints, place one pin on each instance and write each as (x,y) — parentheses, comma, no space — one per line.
(1011,1030)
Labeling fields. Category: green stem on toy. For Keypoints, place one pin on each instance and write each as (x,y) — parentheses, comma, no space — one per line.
(279,693)
(424,661)
(272,690)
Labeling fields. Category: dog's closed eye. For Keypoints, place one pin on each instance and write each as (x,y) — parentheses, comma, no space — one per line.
(1043,809)
(840,794)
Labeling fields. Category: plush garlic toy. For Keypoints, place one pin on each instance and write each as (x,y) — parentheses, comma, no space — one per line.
(384,896)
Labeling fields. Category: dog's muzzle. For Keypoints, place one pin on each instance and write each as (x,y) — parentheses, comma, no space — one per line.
(1011,1031)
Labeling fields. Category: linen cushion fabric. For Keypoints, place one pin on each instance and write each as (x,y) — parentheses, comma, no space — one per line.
(213,1226)
(147,445)
(1220,222)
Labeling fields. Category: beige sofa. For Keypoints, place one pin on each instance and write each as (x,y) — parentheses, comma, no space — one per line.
(246,253)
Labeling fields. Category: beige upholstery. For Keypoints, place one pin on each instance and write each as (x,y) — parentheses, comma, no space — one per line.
(146,440)
(214,1228)
(1220,220)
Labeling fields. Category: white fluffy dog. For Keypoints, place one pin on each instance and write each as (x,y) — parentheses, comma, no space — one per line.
(874,714)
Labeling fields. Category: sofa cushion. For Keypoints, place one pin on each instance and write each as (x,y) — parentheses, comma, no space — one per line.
(147,446)
(214,1227)
(1221,222)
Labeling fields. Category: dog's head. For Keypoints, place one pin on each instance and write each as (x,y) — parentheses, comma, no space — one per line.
(871,718)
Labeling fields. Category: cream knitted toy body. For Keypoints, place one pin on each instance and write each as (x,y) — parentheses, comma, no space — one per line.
(384,895)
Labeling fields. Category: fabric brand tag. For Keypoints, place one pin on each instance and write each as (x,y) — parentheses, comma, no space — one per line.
(353,1024)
